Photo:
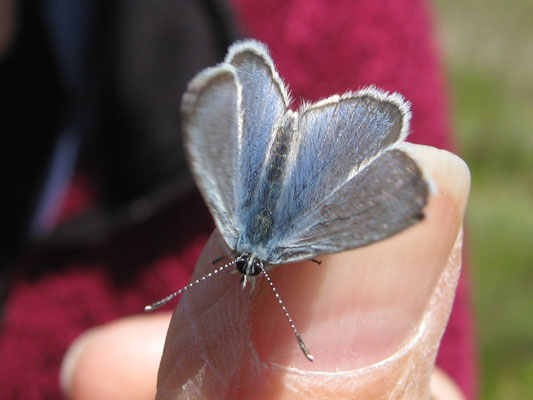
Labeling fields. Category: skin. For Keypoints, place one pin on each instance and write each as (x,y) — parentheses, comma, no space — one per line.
(371,317)
(7,25)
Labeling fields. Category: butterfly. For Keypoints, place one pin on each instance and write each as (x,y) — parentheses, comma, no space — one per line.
(285,185)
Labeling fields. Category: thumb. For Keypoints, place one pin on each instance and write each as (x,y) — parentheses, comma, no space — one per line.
(372,317)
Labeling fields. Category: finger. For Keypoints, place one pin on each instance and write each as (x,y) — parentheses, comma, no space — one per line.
(116,361)
(372,317)
(443,388)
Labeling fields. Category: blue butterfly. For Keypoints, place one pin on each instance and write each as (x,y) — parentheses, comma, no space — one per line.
(284,186)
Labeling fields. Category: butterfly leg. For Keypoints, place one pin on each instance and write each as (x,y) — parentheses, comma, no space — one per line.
(252,289)
(216,260)
(244,281)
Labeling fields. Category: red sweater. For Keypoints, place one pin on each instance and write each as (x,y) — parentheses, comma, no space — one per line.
(320,48)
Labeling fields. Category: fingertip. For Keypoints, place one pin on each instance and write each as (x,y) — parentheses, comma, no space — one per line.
(443,387)
(356,311)
(361,306)
(118,360)
(70,362)
(448,172)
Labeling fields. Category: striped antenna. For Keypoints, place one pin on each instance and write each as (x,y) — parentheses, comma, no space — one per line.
(301,343)
(164,301)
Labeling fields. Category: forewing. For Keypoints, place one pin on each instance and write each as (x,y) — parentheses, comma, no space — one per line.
(264,102)
(337,138)
(385,197)
(210,117)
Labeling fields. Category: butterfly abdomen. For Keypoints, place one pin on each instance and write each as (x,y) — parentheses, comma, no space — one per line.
(259,229)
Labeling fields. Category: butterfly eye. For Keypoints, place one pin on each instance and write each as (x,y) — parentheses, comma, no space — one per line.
(241,263)
(255,268)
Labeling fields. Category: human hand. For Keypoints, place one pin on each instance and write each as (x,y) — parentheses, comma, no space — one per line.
(372,317)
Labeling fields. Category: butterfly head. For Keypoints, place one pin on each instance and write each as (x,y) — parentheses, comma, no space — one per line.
(249,265)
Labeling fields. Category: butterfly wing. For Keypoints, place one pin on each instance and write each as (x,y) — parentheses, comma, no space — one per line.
(211,125)
(383,199)
(347,183)
(264,101)
(350,184)
(230,113)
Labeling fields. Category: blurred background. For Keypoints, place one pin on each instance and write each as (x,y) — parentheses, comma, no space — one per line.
(488,55)
(487,49)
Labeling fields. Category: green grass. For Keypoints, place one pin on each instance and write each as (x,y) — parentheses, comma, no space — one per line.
(488,48)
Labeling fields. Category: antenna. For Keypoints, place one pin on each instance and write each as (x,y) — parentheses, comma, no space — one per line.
(164,301)
(301,343)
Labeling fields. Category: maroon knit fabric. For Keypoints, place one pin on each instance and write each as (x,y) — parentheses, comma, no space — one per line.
(321,48)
